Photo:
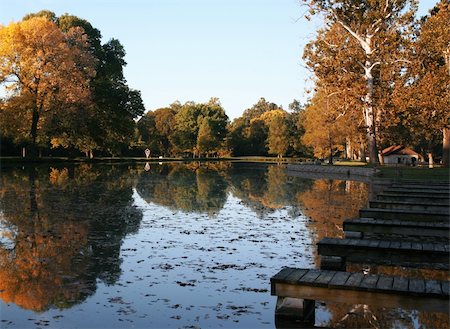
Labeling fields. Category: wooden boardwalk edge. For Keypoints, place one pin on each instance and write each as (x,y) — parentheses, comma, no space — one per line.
(345,287)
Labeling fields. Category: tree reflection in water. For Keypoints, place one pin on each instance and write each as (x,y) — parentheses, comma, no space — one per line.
(63,228)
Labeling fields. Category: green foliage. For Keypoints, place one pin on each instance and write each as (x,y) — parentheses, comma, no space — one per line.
(79,96)
(190,117)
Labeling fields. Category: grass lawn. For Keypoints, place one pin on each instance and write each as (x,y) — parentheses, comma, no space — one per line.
(414,173)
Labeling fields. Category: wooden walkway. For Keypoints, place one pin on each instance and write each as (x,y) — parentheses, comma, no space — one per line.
(441,208)
(386,252)
(407,225)
(357,288)
(393,227)
(421,198)
(412,192)
(402,214)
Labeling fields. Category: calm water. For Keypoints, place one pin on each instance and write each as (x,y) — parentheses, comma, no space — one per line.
(168,246)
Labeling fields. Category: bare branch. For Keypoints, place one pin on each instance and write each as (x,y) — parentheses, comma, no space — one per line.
(364,44)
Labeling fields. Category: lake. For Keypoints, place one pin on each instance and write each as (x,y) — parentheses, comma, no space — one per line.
(168,245)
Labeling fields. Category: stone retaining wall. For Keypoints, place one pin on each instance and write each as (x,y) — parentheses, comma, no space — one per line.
(332,172)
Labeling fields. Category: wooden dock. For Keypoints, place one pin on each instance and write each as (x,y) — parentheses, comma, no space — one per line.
(395,228)
(409,198)
(403,214)
(385,252)
(441,208)
(412,192)
(408,225)
(357,288)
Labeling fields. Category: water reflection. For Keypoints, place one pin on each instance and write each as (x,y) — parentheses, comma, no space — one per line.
(64,227)
(164,232)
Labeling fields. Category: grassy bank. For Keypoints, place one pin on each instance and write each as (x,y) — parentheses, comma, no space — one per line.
(414,173)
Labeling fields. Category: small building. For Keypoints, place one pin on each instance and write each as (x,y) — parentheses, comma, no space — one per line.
(398,154)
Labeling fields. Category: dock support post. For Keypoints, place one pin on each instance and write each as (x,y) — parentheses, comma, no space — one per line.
(295,312)
(333,263)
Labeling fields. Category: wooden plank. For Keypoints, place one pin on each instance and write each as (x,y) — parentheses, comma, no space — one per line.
(427,246)
(416,286)
(416,246)
(405,245)
(439,247)
(385,244)
(445,288)
(369,281)
(310,276)
(400,284)
(373,243)
(433,287)
(282,274)
(339,279)
(377,298)
(295,276)
(325,277)
(354,280)
(385,283)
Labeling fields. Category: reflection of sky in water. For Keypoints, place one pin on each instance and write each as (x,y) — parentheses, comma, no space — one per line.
(202,268)
(187,269)
(6,233)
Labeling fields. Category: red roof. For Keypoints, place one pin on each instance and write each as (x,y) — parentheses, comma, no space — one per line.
(398,149)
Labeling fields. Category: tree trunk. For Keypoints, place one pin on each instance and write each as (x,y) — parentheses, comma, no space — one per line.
(369,115)
(33,132)
(362,153)
(330,159)
(91,154)
(381,158)
(446,146)
(430,160)
(348,149)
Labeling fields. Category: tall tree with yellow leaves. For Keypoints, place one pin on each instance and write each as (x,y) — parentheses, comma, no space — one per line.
(422,101)
(375,27)
(44,70)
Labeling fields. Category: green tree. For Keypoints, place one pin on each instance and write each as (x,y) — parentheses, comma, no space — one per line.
(92,114)
(190,117)
(206,139)
(278,138)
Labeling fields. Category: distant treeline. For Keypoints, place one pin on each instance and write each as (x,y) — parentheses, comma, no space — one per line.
(382,79)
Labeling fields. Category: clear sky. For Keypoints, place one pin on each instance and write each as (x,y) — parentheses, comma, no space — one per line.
(192,50)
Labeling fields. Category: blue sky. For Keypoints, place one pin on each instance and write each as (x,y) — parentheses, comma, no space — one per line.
(192,50)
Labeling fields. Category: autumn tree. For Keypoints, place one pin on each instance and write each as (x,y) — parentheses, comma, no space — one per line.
(43,70)
(423,97)
(374,26)
(82,100)
(326,121)
(108,124)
